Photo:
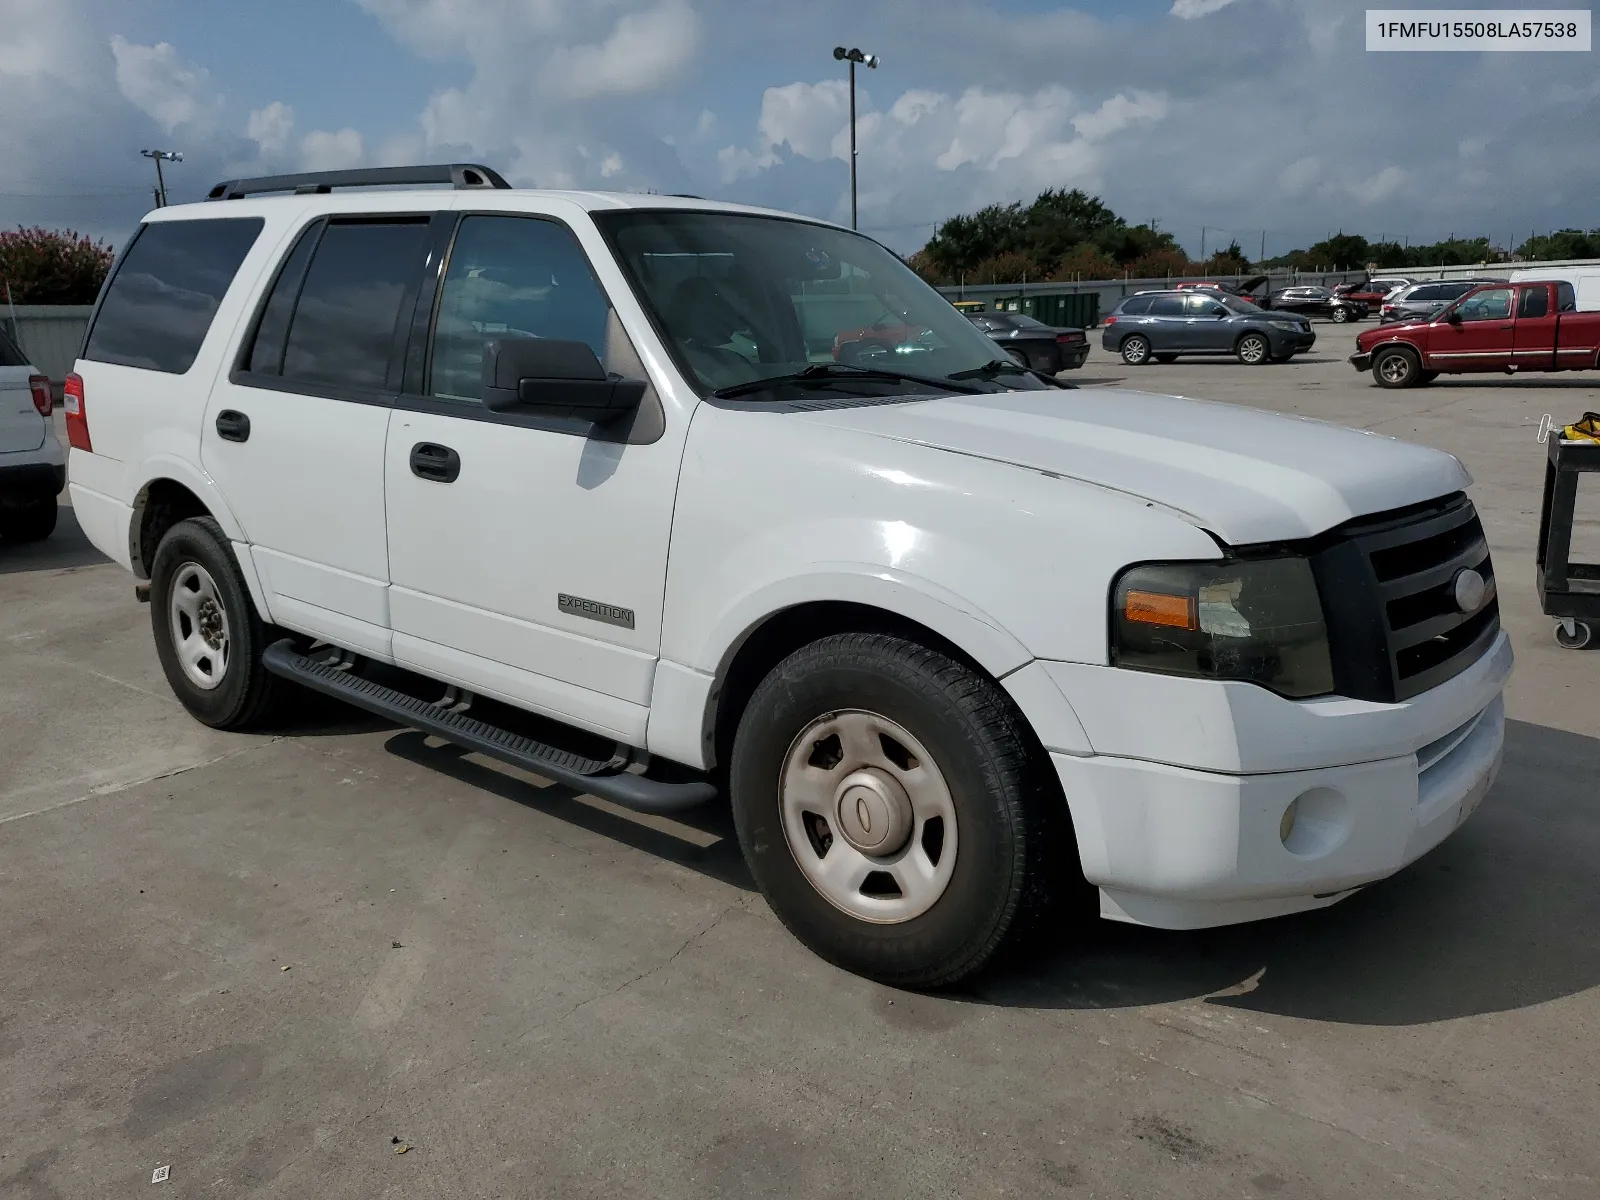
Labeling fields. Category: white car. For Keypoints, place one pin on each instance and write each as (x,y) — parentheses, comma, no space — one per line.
(575,480)
(32,463)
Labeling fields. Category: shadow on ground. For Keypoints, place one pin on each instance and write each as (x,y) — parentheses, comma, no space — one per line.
(1501,916)
(65,548)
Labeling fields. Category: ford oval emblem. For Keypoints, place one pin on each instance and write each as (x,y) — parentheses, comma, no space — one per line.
(1470,590)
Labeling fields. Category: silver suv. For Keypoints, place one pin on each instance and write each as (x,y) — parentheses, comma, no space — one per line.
(1424,301)
(32,465)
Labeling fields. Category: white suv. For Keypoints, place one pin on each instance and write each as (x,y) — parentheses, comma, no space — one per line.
(659,497)
(32,464)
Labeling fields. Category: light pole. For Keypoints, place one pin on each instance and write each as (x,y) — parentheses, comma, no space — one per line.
(159,156)
(853,56)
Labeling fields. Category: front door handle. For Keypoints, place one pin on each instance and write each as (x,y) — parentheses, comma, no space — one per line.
(438,464)
(233,426)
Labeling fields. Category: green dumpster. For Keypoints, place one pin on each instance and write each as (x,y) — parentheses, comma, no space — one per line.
(1070,310)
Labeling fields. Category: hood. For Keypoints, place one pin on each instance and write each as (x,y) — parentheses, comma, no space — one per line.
(1245,475)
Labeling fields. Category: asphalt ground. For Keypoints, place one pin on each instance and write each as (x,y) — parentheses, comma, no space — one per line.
(260,960)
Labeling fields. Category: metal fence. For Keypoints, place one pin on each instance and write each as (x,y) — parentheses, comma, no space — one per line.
(49,334)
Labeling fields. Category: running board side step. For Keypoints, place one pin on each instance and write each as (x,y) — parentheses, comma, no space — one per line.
(595,777)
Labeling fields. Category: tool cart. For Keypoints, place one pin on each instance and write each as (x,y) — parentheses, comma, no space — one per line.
(1568,591)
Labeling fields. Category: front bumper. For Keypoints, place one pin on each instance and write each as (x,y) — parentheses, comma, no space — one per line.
(1180,821)
(1284,342)
(1360,361)
(1182,849)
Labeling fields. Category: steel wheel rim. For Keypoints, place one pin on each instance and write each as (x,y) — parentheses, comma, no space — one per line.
(1135,350)
(1340,315)
(1394,368)
(199,621)
(1252,349)
(848,762)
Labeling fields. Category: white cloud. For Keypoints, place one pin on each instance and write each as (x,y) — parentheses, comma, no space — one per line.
(1385,185)
(1188,10)
(153,78)
(1299,175)
(321,150)
(270,127)
(642,52)
(1119,112)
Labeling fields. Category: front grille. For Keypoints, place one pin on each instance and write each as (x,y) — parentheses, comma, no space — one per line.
(1388,585)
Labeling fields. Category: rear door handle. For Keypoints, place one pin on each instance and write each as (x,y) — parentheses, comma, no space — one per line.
(438,464)
(233,426)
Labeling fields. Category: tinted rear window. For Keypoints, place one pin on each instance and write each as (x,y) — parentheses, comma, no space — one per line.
(10,356)
(1167,306)
(343,331)
(1135,305)
(1435,292)
(166,291)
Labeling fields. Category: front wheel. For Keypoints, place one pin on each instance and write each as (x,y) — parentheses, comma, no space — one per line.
(208,634)
(1253,349)
(30,521)
(1136,350)
(1397,368)
(891,808)
(1340,316)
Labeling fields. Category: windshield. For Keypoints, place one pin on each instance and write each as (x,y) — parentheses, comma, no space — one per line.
(740,298)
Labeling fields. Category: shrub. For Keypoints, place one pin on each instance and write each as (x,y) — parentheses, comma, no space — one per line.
(47,266)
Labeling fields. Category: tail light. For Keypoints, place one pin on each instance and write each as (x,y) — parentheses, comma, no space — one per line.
(39,385)
(1111,320)
(1064,338)
(77,415)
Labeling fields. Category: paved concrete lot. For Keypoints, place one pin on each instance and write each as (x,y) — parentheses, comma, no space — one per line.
(260,960)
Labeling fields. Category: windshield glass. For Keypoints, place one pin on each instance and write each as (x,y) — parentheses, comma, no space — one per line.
(740,298)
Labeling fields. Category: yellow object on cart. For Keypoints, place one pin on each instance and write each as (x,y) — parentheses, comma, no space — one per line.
(1585,430)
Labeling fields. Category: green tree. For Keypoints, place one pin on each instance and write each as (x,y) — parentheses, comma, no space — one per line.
(1563,243)
(1347,251)
(962,242)
(47,266)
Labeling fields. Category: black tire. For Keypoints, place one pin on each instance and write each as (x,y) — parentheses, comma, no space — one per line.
(1135,350)
(1253,349)
(1006,804)
(1397,367)
(28,520)
(1020,357)
(245,694)
(1166,358)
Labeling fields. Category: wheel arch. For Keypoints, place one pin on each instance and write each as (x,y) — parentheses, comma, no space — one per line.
(172,492)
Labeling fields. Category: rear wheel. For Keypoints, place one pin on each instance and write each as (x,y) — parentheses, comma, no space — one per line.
(28,520)
(1340,315)
(208,634)
(1136,350)
(1396,367)
(891,808)
(1166,358)
(1253,349)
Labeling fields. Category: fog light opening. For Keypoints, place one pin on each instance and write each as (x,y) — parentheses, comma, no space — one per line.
(1315,823)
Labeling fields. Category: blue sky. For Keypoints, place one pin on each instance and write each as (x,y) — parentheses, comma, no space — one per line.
(1240,115)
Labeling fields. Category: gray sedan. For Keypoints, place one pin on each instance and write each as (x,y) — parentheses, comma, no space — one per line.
(1163,325)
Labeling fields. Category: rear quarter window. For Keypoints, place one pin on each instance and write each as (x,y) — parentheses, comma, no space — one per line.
(1135,305)
(166,290)
(10,355)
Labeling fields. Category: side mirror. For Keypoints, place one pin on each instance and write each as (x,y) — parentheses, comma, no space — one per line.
(1453,316)
(554,378)
(1219,311)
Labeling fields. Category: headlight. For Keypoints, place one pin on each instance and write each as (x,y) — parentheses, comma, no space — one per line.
(1291,326)
(1259,621)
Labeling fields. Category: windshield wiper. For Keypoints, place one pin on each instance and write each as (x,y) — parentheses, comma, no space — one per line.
(1006,366)
(823,373)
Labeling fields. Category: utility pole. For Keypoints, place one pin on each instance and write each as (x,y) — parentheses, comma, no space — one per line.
(1202,243)
(160,156)
(1263,257)
(853,56)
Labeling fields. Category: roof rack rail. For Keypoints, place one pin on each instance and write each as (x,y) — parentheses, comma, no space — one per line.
(320,183)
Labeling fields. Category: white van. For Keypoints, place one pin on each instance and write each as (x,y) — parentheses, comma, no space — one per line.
(1585,282)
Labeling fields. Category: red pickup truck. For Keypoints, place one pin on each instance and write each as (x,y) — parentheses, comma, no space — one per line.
(1497,327)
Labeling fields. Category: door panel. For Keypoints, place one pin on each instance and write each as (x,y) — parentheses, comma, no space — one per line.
(539,510)
(1535,335)
(1484,337)
(296,437)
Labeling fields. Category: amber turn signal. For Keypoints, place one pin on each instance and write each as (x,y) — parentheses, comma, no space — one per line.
(1159,608)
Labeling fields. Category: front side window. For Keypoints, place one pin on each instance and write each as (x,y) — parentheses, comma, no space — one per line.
(747,300)
(512,277)
(343,331)
(1492,305)
(159,307)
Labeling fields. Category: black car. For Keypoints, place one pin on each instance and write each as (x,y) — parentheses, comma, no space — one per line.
(1033,343)
(1163,325)
(1424,301)
(1316,302)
